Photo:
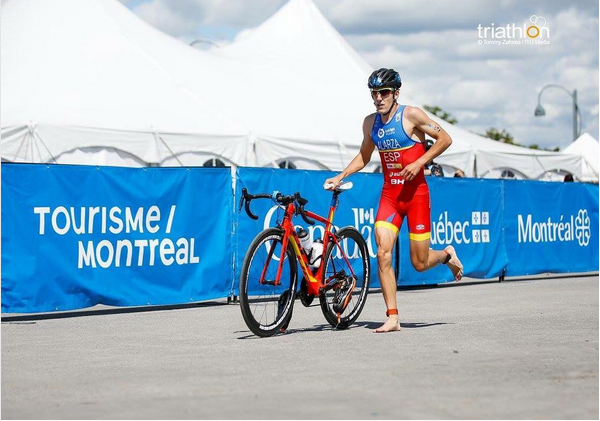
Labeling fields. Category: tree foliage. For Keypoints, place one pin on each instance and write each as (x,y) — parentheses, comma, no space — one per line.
(500,135)
(505,137)
(438,112)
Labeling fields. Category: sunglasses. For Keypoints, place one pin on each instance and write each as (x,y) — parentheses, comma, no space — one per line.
(383,92)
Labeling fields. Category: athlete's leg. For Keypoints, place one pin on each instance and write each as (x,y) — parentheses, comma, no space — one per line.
(386,238)
(422,256)
(387,225)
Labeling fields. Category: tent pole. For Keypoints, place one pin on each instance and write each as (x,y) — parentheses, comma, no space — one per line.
(156,134)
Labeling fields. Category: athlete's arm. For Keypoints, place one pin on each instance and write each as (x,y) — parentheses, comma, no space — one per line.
(420,121)
(361,159)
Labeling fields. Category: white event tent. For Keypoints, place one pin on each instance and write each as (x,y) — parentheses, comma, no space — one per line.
(586,147)
(77,89)
(86,81)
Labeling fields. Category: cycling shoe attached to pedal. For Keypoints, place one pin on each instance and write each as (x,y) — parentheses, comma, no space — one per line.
(343,293)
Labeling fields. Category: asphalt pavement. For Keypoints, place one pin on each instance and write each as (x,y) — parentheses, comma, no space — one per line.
(513,350)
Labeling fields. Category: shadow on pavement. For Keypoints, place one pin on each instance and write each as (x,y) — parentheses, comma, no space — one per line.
(327,326)
(375,325)
(316,328)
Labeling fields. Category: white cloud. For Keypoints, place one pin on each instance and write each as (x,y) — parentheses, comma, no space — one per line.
(162,16)
(239,13)
(391,16)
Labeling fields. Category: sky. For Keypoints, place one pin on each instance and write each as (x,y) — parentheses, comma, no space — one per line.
(435,46)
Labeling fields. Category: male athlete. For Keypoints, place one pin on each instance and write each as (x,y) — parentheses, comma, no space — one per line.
(399,131)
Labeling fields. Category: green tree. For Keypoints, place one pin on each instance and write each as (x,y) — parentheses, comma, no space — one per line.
(501,136)
(506,137)
(438,112)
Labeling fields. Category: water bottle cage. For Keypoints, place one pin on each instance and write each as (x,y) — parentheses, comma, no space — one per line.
(316,253)
(316,261)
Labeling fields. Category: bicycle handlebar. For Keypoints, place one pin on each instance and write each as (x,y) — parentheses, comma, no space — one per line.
(278,198)
(301,202)
(245,200)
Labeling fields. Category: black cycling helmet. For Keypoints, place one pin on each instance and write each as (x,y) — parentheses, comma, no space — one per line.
(385,78)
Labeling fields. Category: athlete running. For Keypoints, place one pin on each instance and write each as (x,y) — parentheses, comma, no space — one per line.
(399,131)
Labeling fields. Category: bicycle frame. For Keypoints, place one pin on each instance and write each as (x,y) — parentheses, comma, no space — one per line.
(315,282)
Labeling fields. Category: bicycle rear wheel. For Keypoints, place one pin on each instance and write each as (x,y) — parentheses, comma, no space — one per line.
(353,246)
(266,301)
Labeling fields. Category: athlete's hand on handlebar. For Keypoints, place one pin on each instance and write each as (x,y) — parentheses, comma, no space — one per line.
(332,183)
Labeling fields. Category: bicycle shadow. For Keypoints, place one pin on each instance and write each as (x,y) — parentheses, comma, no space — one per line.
(315,328)
(403,325)
(356,325)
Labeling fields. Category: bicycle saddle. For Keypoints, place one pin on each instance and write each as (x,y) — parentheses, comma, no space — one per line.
(344,185)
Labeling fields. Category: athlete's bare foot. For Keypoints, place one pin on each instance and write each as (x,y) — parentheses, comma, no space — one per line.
(454,264)
(391,325)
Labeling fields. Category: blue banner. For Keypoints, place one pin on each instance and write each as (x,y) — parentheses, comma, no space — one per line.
(466,214)
(76,236)
(550,227)
(357,207)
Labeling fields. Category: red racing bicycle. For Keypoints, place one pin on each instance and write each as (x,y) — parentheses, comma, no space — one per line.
(269,275)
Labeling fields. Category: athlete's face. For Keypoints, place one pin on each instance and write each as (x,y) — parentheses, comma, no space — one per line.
(383,98)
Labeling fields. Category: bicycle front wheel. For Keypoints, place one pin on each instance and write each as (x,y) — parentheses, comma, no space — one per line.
(267,300)
(350,257)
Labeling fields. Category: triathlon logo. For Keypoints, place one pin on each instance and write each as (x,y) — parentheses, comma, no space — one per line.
(583,230)
(533,32)
(380,133)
